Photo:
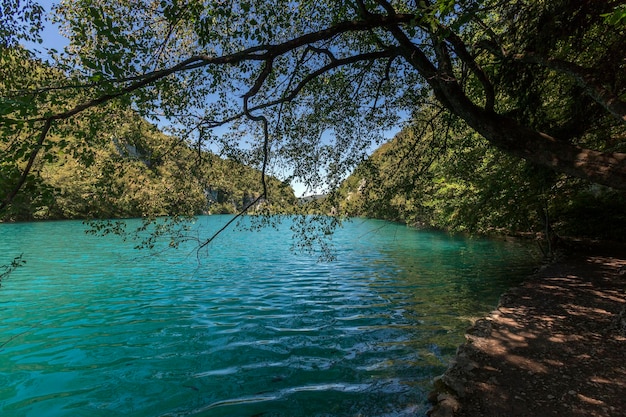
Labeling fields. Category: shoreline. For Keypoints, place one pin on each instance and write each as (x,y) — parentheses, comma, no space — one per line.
(554,346)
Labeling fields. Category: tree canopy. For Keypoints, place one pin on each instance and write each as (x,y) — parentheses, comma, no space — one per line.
(303,89)
(437,173)
(115,164)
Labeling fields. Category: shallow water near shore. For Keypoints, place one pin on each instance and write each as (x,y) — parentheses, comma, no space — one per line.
(92,327)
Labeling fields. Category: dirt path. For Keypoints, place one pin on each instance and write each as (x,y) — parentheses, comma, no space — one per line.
(556,346)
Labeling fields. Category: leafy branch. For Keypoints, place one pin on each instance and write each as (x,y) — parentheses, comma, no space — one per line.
(256,53)
(15,263)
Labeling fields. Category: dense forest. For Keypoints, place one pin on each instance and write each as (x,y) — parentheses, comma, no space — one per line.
(516,111)
(437,173)
(138,172)
(124,166)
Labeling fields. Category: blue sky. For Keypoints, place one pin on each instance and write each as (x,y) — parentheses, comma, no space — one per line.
(52,39)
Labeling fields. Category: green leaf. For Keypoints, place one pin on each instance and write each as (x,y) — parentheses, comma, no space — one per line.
(617,18)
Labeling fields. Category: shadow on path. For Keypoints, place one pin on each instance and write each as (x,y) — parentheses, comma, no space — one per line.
(556,346)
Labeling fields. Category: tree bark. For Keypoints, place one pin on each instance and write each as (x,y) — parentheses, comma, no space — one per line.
(516,139)
(508,134)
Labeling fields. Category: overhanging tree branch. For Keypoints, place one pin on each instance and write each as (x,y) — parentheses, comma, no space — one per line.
(255,53)
(29,165)
(508,134)
(583,77)
(462,52)
(289,96)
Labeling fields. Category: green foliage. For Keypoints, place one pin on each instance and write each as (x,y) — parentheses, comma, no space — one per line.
(617,17)
(551,98)
(20,20)
(593,212)
(304,90)
(459,183)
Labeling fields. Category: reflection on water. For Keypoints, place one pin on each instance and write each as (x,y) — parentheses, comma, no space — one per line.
(92,327)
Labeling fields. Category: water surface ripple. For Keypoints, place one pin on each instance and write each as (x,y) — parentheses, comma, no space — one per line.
(91,327)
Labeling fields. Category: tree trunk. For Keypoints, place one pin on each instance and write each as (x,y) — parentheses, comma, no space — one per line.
(516,139)
(508,135)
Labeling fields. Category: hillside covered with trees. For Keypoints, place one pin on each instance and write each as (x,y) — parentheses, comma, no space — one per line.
(135,170)
(517,109)
(513,120)
(120,166)
(437,173)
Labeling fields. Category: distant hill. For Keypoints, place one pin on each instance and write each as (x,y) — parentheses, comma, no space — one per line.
(138,172)
(311,198)
(108,162)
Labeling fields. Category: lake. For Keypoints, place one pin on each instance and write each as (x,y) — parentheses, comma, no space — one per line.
(90,326)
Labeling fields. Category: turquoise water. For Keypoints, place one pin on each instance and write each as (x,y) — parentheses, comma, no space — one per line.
(91,327)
